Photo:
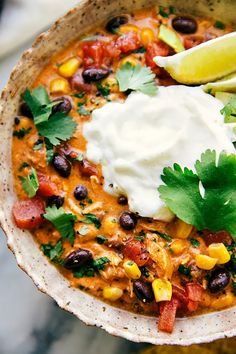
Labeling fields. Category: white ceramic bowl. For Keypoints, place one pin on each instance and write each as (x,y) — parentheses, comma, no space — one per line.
(47,278)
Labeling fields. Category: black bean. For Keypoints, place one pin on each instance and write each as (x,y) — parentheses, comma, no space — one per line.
(61,165)
(184,24)
(77,258)
(143,291)
(80,192)
(94,74)
(122,200)
(65,106)
(128,220)
(115,23)
(56,200)
(25,110)
(17,120)
(218,280)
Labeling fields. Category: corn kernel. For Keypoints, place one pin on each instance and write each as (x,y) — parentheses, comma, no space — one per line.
(132,270)
(129,28)
(69,68)
(24,123)
(178,246)
(110,226)
(222,301)
(162,290)
(205,262)
(112,83)
(112,293)
(182,230)
(219,251)
(147,36)
(59,86)
(130,60)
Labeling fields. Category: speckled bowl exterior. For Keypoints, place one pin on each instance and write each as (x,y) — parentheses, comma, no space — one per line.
(90,310)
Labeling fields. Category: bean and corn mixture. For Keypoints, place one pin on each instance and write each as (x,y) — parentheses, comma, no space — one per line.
(139,264)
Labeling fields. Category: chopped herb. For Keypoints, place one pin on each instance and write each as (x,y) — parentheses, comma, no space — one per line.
(194,242)
(104,90)
(30,184)
(49,151)
(140,237)
(184,270)
(89,201)
(82,205)
(229,110)
(22,166)
(163,235)
(232,265)
(21,133)
(145,272)
(100,263)
(53,252)
(79,94)
(219,25)
(232,246)
(79,158)
(89,269)
(62,221)
(92,219)
(82,111)
(172,10)
(141,50)
(38,145)
(136,78)
(163,12)
(216,210)
(101,239)
(83,230)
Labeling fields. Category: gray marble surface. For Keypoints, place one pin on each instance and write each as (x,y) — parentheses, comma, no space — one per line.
(31,323)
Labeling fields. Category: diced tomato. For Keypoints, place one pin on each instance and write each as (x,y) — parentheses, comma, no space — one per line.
(194,291)
(28,214)
(154,49)
(217,237)
(47,188)
(87,169)
(192,41)
(128,42)
(93,54)
(167,317)
(180,294)
(135,251)
(111,50)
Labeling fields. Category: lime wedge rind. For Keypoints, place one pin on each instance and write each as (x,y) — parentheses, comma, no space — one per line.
(204,63)
(227,84)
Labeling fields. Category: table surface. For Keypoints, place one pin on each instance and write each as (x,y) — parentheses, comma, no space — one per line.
(31,322)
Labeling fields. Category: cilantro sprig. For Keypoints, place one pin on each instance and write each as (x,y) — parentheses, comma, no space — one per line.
(215,209)
(136,78)
(62,221)
(54,127)
(53,252)
(30,184)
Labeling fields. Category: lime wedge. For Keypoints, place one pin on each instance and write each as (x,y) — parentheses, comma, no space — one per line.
(207,62)
(170,37)
(228,84)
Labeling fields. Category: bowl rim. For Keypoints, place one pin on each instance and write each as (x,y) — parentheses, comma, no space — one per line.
(118,322)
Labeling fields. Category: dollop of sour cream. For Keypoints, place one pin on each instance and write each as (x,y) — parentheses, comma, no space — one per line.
(134,140)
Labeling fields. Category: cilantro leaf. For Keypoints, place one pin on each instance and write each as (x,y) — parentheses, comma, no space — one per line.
(101,239)
(219,25)
(82,111)
(137,78)
(55,127)
(49,151)
(59,127)
(163,235)
(53,252)
(229,110)
(91,267)
(184,270)
(100,263)
(92,219)
(62,221)
(216,208)
(104,90)
(23,165)
(194,242)
(30,184)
